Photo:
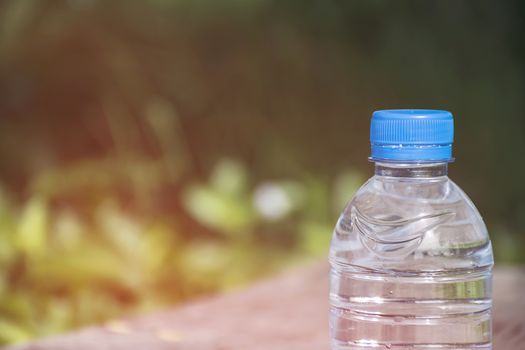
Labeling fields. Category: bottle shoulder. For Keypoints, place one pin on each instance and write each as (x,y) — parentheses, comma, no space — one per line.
(395,219)
(380,195)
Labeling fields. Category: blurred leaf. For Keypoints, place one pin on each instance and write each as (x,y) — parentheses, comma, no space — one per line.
(156,245)
(122,230)
(32,232)
(229,177)
(93,306)
(68,231)
(58,314)
(218,210)
(205,262)
(11,332)
(8,229)
(91,264)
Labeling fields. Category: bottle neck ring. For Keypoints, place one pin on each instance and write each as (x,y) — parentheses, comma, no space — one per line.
(411,170)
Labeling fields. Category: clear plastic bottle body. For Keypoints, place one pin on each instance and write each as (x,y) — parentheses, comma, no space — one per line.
(411,265)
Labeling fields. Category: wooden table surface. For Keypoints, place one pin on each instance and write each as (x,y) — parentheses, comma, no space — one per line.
(287,312)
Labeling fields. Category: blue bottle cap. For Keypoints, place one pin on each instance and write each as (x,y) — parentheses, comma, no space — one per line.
(412,135)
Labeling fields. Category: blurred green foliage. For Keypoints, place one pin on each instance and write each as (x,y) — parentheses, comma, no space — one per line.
(60,270)
(154,151)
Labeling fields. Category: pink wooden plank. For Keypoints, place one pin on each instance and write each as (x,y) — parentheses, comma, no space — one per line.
(287,312)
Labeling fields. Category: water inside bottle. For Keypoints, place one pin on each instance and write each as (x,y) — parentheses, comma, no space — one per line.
(411,269)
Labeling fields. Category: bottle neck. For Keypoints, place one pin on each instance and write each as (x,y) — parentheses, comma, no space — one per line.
(411,170)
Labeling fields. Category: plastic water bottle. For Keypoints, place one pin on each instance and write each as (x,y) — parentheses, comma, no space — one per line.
(411,260)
